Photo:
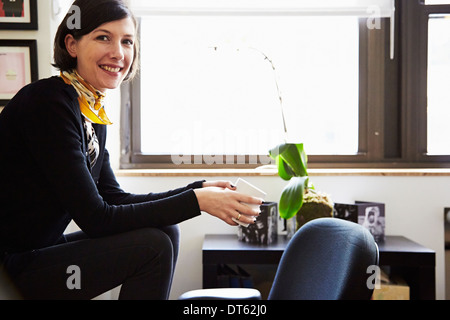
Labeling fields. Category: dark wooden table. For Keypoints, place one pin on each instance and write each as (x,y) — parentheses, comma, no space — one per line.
(414,262)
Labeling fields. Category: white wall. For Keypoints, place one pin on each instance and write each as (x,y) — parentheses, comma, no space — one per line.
(43,36)
(50,13)
(414,209)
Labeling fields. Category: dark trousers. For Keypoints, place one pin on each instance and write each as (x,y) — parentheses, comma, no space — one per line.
(142,261)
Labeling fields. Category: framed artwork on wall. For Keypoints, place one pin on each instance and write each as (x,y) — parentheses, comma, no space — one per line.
(18,15)
(18,67)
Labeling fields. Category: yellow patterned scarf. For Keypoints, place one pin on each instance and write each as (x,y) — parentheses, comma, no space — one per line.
(90,99)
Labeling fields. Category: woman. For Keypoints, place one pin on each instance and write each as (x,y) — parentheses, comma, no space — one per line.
(54,168)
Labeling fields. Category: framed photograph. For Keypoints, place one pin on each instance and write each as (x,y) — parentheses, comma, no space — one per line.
(18,15)
(371,215)
(447,228)
(18,67)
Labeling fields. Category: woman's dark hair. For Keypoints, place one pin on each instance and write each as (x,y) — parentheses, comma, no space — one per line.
(92,14)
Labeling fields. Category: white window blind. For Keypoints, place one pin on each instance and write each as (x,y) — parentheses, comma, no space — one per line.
(362,8)
(372,9)
(211,54)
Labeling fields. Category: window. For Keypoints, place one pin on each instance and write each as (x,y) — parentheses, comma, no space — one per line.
(211,81)
(437,2)
(211,84)
(438,82)
(426,39)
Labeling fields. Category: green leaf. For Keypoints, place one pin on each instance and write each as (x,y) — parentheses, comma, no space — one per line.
(284,171)
(278,150)
(292,197)
(304,158)
(294,156)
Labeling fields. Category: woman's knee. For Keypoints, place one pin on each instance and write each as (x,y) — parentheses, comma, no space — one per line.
(152,237)
(154,246)
(152,272)
(174,234)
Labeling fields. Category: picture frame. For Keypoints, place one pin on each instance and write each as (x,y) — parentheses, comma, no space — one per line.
(18,67)
(447,227)
(371,215)
(18,15)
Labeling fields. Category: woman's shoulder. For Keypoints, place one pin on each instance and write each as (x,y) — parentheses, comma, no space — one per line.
(50,87)
(42,97)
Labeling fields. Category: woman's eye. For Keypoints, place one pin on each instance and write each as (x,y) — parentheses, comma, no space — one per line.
(128,42)
(102,38)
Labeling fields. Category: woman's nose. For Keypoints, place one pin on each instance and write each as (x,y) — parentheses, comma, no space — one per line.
(117,52)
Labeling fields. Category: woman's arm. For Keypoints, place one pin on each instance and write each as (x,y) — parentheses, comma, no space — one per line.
(54,137)
(113,194)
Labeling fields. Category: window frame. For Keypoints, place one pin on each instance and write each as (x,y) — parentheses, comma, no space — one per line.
(392,119)
(415,91)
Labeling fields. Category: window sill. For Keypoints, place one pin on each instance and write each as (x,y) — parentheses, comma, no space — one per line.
(272,172)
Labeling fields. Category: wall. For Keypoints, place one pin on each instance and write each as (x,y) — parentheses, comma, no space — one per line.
(43,36)
(414,209)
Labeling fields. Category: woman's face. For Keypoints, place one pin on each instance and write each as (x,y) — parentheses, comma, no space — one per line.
(105,55)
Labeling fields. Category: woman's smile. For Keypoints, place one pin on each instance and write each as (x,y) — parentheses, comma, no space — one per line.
(111,69)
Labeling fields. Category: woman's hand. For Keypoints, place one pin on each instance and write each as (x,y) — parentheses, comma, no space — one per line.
(220,184)
(219,199)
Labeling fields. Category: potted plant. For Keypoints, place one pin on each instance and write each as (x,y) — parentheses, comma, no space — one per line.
(298,199)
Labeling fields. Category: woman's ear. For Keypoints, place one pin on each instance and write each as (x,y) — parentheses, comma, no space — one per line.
(71,45)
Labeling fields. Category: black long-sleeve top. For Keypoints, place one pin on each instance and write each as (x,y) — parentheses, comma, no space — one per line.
(46,179)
